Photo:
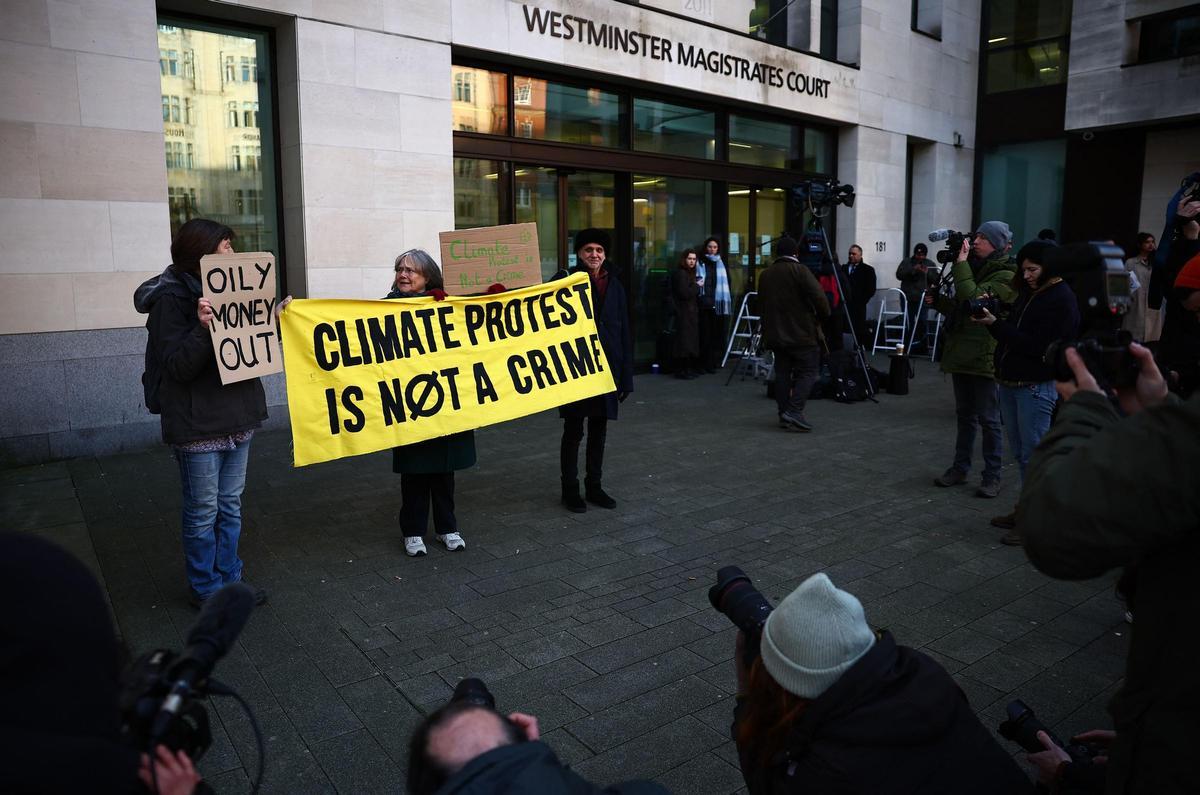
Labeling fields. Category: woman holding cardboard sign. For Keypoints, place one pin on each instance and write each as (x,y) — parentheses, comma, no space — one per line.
(207,424)
(612,325)
(427,468)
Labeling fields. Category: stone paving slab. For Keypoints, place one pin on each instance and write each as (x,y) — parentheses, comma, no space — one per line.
(598,623)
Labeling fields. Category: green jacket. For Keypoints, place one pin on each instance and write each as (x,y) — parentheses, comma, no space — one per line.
(969,347)
(1102,493)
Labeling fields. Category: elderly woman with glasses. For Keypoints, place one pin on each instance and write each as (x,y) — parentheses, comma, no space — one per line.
(427,468)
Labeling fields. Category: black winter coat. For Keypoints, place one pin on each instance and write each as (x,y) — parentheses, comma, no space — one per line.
(1036,320)
(894,723)
(685,294)
(792,305)
(195,405)
(616,337)
(532,768)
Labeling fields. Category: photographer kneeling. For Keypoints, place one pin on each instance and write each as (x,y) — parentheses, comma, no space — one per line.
(1104,492)
(830,706)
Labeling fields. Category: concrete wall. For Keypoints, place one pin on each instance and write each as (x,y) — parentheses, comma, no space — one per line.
(1102,90)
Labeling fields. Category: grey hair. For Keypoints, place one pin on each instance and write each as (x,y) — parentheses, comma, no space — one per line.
(426,264)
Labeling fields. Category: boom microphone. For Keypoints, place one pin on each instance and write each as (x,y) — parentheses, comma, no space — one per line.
(218,626)
(938,235)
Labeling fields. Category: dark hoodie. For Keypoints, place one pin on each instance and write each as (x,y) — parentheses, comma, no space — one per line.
(59,724)
(531,768)
(179,353)
(1038,318)
(894,723)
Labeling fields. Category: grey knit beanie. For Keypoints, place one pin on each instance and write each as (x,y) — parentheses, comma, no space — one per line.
(814,636)
(997,233)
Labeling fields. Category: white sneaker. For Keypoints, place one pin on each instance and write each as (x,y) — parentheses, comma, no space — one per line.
(414,546)
(453,541)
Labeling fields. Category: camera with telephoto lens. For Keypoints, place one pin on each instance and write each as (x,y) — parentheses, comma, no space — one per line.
(954,244)
(473,691)
(819,193)
(1096,274)
(737,599)
(1021,726)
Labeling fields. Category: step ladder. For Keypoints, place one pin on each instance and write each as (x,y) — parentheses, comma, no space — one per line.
(745,342)
(890,328)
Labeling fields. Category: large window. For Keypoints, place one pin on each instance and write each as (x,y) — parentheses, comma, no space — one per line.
(479,100)
(756,142)
(219,129)
(1023,184)
(927,17)
(674,129)
(1175,34)
(1026,43)
(567,114)
(479,192)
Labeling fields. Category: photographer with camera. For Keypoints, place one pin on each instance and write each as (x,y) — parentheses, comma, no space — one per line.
(467,747)
(827,705)
(60,729)
(969,348)
(1082,514)
(1045,311)
(1179,344)
(917,275)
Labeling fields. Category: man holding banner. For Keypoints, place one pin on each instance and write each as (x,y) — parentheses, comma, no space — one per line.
(612,324)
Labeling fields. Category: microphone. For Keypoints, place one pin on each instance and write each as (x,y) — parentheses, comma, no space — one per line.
(210,638)
(939,235)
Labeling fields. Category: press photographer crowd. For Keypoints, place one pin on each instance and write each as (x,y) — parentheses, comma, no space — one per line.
(1084,359)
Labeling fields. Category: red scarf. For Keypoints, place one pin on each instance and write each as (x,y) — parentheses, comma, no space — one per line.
(599,283)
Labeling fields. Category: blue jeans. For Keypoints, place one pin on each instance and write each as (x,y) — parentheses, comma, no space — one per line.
(1027,411)
(975,405)
(212,516)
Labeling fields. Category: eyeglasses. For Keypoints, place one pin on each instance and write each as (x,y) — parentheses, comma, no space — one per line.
(410,271)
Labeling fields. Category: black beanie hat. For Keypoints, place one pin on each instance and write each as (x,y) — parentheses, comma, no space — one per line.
(1035,251)
(592,235)
(786,247)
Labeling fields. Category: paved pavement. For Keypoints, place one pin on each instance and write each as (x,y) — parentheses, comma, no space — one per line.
(597,623)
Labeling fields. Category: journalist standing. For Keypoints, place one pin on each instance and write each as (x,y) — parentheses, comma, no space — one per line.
(917,275)
(685,293)
(1083,513)
(860,287)
(792,305)
(969,349)
(831,706)
(207,424)
(611,312)
(716,304)
(1045,311)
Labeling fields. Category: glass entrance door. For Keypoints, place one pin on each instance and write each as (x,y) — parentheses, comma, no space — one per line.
(562,202)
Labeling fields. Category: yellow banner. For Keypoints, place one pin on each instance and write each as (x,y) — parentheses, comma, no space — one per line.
(368,375)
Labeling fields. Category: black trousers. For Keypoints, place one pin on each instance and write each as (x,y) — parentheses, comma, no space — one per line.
(796,370)
(416,494)
(713,338)
(597,430)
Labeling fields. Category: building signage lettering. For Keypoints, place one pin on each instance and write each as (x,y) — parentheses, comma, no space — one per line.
(571,27)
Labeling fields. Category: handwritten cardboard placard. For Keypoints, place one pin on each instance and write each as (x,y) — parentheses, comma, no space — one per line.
(245,338)
(474,259)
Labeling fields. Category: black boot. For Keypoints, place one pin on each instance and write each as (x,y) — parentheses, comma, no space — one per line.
(571,498)
(596,496)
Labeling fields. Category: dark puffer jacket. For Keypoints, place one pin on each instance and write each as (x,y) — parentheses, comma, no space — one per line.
(894,723)
(195,405)
(792,305)
(531,768)
(1037,319)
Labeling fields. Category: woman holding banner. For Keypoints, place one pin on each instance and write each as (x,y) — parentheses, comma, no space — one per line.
(207,424)
(427,468)
(612,324)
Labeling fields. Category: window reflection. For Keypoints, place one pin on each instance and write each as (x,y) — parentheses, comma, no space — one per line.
(479,100)
(673,129)
(550,111)
(479,192)
(215,129)
(536,191)
(756,142)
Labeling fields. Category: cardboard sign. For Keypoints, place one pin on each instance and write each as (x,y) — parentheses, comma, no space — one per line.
(475,259)
(245,338)
(369,375)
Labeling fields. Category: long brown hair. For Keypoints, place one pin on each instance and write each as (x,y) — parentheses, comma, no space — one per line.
(770,713)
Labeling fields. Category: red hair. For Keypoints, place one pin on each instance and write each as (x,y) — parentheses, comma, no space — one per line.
(770,713)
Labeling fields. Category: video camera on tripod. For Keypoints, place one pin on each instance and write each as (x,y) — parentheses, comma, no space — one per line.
(162,692)
(817,194)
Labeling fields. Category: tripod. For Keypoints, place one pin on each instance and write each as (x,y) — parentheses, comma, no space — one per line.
(816,226)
